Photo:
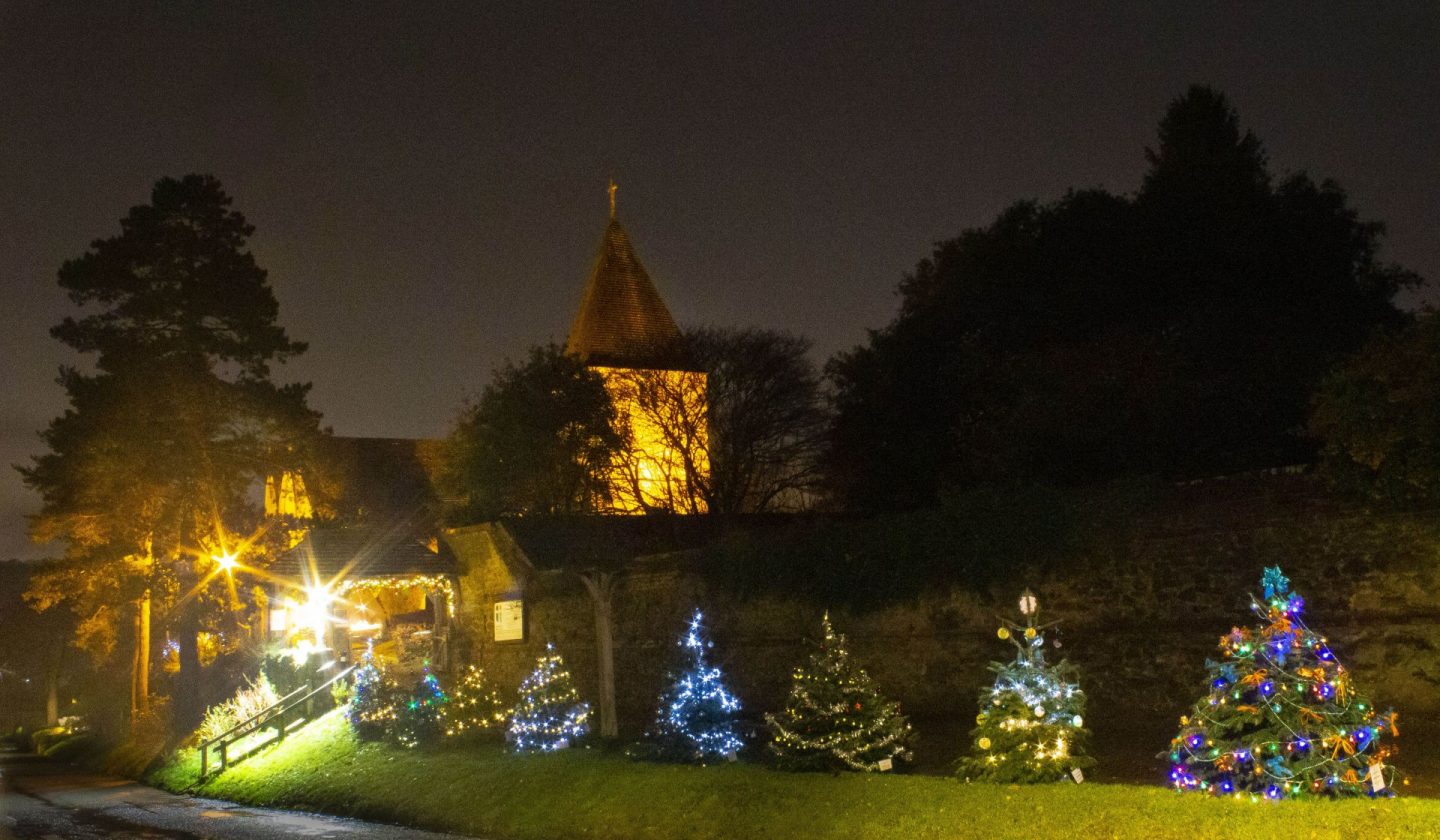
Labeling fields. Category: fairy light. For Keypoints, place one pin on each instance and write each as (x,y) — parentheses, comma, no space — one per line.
(836,718)
(549,715)
(1292,723)
(696,717)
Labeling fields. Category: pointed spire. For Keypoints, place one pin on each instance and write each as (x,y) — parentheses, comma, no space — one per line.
(622,321)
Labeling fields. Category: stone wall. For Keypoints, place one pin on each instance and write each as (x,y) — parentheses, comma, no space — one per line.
(1139,614)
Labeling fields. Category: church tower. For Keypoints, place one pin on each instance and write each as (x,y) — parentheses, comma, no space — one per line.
(625,333)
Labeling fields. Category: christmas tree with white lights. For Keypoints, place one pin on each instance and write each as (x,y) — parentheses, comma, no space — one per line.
(1280,717)
(696,720)
(836,718)
(474,707)
(1031,725)
(549,715)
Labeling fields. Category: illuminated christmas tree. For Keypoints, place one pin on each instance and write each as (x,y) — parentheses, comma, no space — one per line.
(418,721)
(474,706)
(549,715)
(1031,725)
(372,709)
(836,718)
(696,717)
(1280,717)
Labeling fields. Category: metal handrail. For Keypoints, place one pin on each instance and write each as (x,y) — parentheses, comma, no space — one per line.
(275,712)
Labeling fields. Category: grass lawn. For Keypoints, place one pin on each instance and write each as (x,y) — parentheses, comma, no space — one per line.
(588,794)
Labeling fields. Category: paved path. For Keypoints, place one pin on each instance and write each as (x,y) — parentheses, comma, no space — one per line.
(43,800)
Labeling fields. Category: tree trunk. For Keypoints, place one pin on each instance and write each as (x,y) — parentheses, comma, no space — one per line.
(52,698)
(140,664)
(601,586)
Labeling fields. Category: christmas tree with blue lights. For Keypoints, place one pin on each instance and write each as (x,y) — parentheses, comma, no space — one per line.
(836,718)
(1031,725)
(549,715)
(372,708)
(1280,717)
(696,720)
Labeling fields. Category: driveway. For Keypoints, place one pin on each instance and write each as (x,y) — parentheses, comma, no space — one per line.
(49,801)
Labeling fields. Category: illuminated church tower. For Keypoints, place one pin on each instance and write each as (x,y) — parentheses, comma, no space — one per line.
(625,333)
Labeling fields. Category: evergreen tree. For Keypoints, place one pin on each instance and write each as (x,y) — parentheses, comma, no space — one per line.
(836,718)
(550,714)
(1031,722)
(372,702)
(474,706)
(1280,717)
(419,719)
(149,471)
(696,717)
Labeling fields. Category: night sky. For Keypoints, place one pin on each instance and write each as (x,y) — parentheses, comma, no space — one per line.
(428,181)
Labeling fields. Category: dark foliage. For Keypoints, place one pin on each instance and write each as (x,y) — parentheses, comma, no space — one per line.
(539,441)
(1378,418)
(1179,332)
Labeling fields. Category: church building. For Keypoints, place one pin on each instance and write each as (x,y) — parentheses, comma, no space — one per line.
(625,333)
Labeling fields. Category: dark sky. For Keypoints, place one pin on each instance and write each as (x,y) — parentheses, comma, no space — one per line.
(427,180)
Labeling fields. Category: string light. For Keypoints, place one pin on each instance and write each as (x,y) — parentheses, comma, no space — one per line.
(836,718)
(549,715)
(696,717)
(1030,726)
(1296,726)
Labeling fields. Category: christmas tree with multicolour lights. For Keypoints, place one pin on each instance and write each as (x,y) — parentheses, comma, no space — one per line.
(372,708)
(1280,717)
(836,718)
(418,719)
(549,715)
(1031,725)
(696,720)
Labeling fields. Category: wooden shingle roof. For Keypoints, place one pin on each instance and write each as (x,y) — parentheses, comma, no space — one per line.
(356,552)
(622,321)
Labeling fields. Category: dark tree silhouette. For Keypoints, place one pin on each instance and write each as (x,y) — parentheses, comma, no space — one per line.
(540,440)
(148,472)
(1179,332)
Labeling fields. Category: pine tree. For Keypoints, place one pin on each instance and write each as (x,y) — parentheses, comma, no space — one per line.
(474,706)
(549,715)
(1280,717)
(372,702)
(696,717)
(419,719)
(836,718)
(1031,722)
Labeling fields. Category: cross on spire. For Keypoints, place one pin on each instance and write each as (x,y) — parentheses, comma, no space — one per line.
(612,190)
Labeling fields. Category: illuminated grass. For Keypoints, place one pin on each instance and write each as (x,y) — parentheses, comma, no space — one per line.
(581,793)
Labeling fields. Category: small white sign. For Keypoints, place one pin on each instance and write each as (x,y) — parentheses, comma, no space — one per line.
(509,621)
(731,756)
(1377,777)
(886,765)
(1077,774)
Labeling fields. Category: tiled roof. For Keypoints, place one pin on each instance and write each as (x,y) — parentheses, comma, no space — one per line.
(622,321)
(326,553)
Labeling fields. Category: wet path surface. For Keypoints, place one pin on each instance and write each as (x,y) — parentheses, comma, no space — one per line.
(47,801)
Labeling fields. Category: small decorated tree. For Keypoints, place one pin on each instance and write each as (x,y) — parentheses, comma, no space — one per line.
(836,718)
(1280,717)
(372,710)
(1031,725)
(418,721)
(549,715)
(696,717)
(474,707)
